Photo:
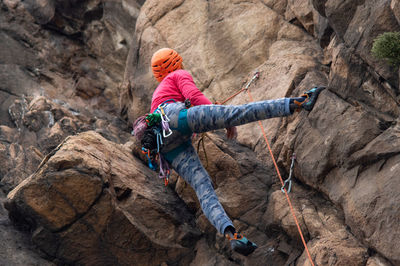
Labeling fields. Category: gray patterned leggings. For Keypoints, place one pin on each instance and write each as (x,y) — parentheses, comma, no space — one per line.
(205,118)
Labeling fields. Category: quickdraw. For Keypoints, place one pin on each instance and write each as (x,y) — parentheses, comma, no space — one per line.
(289,179)
(164,170)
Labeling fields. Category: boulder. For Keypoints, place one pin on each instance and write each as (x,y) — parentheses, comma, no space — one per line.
(16,248)
(91,197)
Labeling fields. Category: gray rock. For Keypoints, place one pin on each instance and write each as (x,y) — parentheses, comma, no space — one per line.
(42,10)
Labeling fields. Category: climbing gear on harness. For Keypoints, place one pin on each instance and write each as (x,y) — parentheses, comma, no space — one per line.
(151,157)
(165,61)
(241,244)
(152,139)
(151,129)
(153,119)
(164,120)
(289,179)
(164,170)
(310,98)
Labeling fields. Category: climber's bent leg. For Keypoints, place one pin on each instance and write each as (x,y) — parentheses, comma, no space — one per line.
(203,118)
(187,164)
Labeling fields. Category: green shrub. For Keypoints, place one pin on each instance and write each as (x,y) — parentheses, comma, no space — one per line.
(387,46)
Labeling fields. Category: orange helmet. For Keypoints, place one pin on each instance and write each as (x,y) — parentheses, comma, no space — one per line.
(165,61)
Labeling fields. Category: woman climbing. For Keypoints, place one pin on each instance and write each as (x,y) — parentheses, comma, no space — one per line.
(174,95)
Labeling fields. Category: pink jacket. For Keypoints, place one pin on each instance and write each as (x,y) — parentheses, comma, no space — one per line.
(178,85)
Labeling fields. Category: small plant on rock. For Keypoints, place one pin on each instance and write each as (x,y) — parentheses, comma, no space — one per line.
(387,46)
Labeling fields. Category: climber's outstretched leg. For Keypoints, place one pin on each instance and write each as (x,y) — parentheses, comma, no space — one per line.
(203,118)
(187,164)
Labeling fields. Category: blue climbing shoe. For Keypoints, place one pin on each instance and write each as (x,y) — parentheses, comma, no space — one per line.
(310,97)
(242,245)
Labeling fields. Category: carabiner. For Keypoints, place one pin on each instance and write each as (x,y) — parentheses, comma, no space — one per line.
(169,133)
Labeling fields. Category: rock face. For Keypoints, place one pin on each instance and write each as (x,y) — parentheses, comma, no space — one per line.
(75,74)
(100,210)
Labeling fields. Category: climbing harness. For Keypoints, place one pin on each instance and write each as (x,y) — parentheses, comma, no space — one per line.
(152,133)
(289,179)
(246,88)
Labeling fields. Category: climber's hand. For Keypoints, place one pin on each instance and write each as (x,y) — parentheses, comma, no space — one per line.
(231,133)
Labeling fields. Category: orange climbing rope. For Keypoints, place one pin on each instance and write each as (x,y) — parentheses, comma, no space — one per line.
(232,96)
(256,75)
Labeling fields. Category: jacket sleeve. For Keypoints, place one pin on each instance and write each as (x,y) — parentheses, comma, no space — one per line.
(189,90)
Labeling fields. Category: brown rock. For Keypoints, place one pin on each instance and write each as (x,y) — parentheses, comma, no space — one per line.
(395,6)
(303,11)
(370,20)
(346,147)
(278,6)
(19,163)
(87,89)
(13,80)
(321,223)
(42,10)
(340,13)
(377,261)
(16,247)
(339,252)
(12,4)
(36,120)
(81,212)
(205,256)
(319,6)
(366,204)
(8,134)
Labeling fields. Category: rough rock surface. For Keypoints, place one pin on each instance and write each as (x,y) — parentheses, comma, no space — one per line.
(16,248)
(82,68)
(102,207)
